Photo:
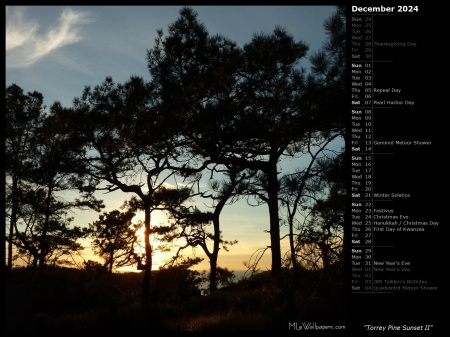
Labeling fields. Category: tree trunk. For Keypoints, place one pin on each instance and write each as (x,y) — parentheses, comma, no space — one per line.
(216,245)
(146,283)
(213,272)
(44,244)
(215,253)
(272,193)
(13,220)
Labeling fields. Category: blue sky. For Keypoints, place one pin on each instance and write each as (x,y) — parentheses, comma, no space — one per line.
(57,50)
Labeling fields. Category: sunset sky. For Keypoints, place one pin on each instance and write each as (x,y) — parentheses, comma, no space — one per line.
(57,50)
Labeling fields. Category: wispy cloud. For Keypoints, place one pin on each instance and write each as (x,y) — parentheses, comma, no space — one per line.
(25,44)
(167,185)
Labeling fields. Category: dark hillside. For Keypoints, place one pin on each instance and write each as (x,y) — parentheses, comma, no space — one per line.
(65,299)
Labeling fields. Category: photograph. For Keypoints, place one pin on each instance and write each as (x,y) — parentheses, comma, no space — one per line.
(216,168)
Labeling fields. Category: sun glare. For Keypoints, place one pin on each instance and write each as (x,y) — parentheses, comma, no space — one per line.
(158,219)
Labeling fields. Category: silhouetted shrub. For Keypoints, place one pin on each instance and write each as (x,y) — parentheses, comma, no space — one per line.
(64,299)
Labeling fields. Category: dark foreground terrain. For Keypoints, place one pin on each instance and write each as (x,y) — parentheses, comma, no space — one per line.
(63,299)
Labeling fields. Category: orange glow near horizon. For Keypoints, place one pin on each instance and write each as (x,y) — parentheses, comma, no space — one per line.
(157,218)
